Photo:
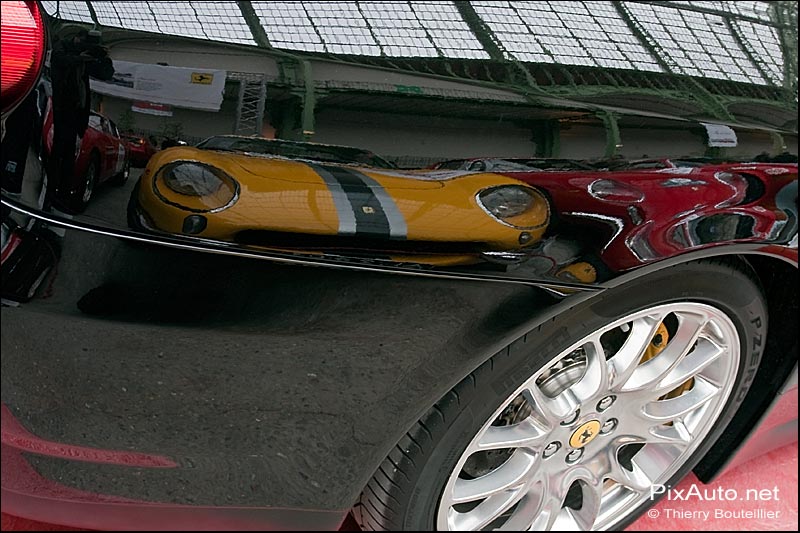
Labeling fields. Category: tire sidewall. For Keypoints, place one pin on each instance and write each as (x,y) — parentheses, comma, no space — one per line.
(702,282)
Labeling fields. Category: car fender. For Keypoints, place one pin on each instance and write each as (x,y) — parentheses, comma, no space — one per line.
(261,380)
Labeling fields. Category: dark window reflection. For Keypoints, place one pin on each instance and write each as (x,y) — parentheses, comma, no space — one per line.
(719,227)
(293,149)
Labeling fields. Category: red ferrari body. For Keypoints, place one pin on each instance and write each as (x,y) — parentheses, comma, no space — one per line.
(645,215)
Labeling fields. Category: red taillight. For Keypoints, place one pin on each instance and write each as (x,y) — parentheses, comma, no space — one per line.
(23,49)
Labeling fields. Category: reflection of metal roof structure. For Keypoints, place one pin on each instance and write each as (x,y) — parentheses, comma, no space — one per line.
(391,29)
(709,57)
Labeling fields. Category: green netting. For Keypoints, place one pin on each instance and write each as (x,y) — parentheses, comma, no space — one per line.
(78,11)
(590,33)
(736,41)
(700,44)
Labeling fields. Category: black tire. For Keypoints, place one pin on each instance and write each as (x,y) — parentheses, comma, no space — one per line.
(85,193)
(133,218)
(405,491)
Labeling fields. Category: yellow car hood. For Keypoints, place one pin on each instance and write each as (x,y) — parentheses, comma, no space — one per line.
(244,166)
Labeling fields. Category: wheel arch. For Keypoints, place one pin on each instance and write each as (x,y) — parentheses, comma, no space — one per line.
(768,268)
(778,360)
(508,323)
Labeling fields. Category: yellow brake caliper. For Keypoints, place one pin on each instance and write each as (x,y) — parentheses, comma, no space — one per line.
(657,345)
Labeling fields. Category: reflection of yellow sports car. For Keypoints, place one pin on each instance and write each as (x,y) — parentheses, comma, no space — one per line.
(246,190)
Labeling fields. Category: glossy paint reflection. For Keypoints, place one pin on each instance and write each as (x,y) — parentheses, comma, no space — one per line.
(627,219)
(603,223)
(166,342)
(552,222)
(240,372)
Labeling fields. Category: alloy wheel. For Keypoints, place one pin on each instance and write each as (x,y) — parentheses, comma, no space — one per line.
(580,444)
(90,181)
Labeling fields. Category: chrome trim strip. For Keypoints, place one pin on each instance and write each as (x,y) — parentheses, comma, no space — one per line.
(204,245)
(506,257)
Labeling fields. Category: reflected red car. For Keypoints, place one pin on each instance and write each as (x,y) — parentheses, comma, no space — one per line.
(641,216)
(140,150)
(102,155)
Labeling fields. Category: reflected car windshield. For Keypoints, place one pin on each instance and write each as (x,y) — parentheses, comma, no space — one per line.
(506,165)
(296,150)
(514,164)
(553,164)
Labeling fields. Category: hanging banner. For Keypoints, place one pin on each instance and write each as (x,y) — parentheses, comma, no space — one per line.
(720,135)
(150,108)
(192,88)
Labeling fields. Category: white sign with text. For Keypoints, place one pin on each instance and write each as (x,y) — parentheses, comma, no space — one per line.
(192,88)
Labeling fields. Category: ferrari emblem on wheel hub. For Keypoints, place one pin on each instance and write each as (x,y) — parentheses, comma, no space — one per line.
(585,434)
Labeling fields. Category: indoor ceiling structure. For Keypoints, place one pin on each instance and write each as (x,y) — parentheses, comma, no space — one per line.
(706,58)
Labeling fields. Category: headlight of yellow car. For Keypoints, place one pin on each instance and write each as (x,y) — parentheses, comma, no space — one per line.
(196,187)
(515,205)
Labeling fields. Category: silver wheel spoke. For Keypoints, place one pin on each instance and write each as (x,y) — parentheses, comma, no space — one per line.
(674,435)
(525,434)
(509,475)
(591,384)
(552,410)
(595,379)
(665,410)
(634,479)
(486,512)
(705,353)
(549,509)
(647,374)
(526,512)
(627,358)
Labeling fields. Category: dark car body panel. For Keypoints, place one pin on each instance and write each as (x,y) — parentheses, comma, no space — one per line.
(252,387)
(261,382)
(777,428)
(269,385)
(162,381)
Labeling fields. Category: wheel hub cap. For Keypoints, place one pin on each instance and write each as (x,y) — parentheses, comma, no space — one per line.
(585,434)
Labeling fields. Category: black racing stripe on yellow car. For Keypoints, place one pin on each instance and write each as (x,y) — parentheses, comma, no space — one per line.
(344,209)
(398,229)
(364,214)
(370,217)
